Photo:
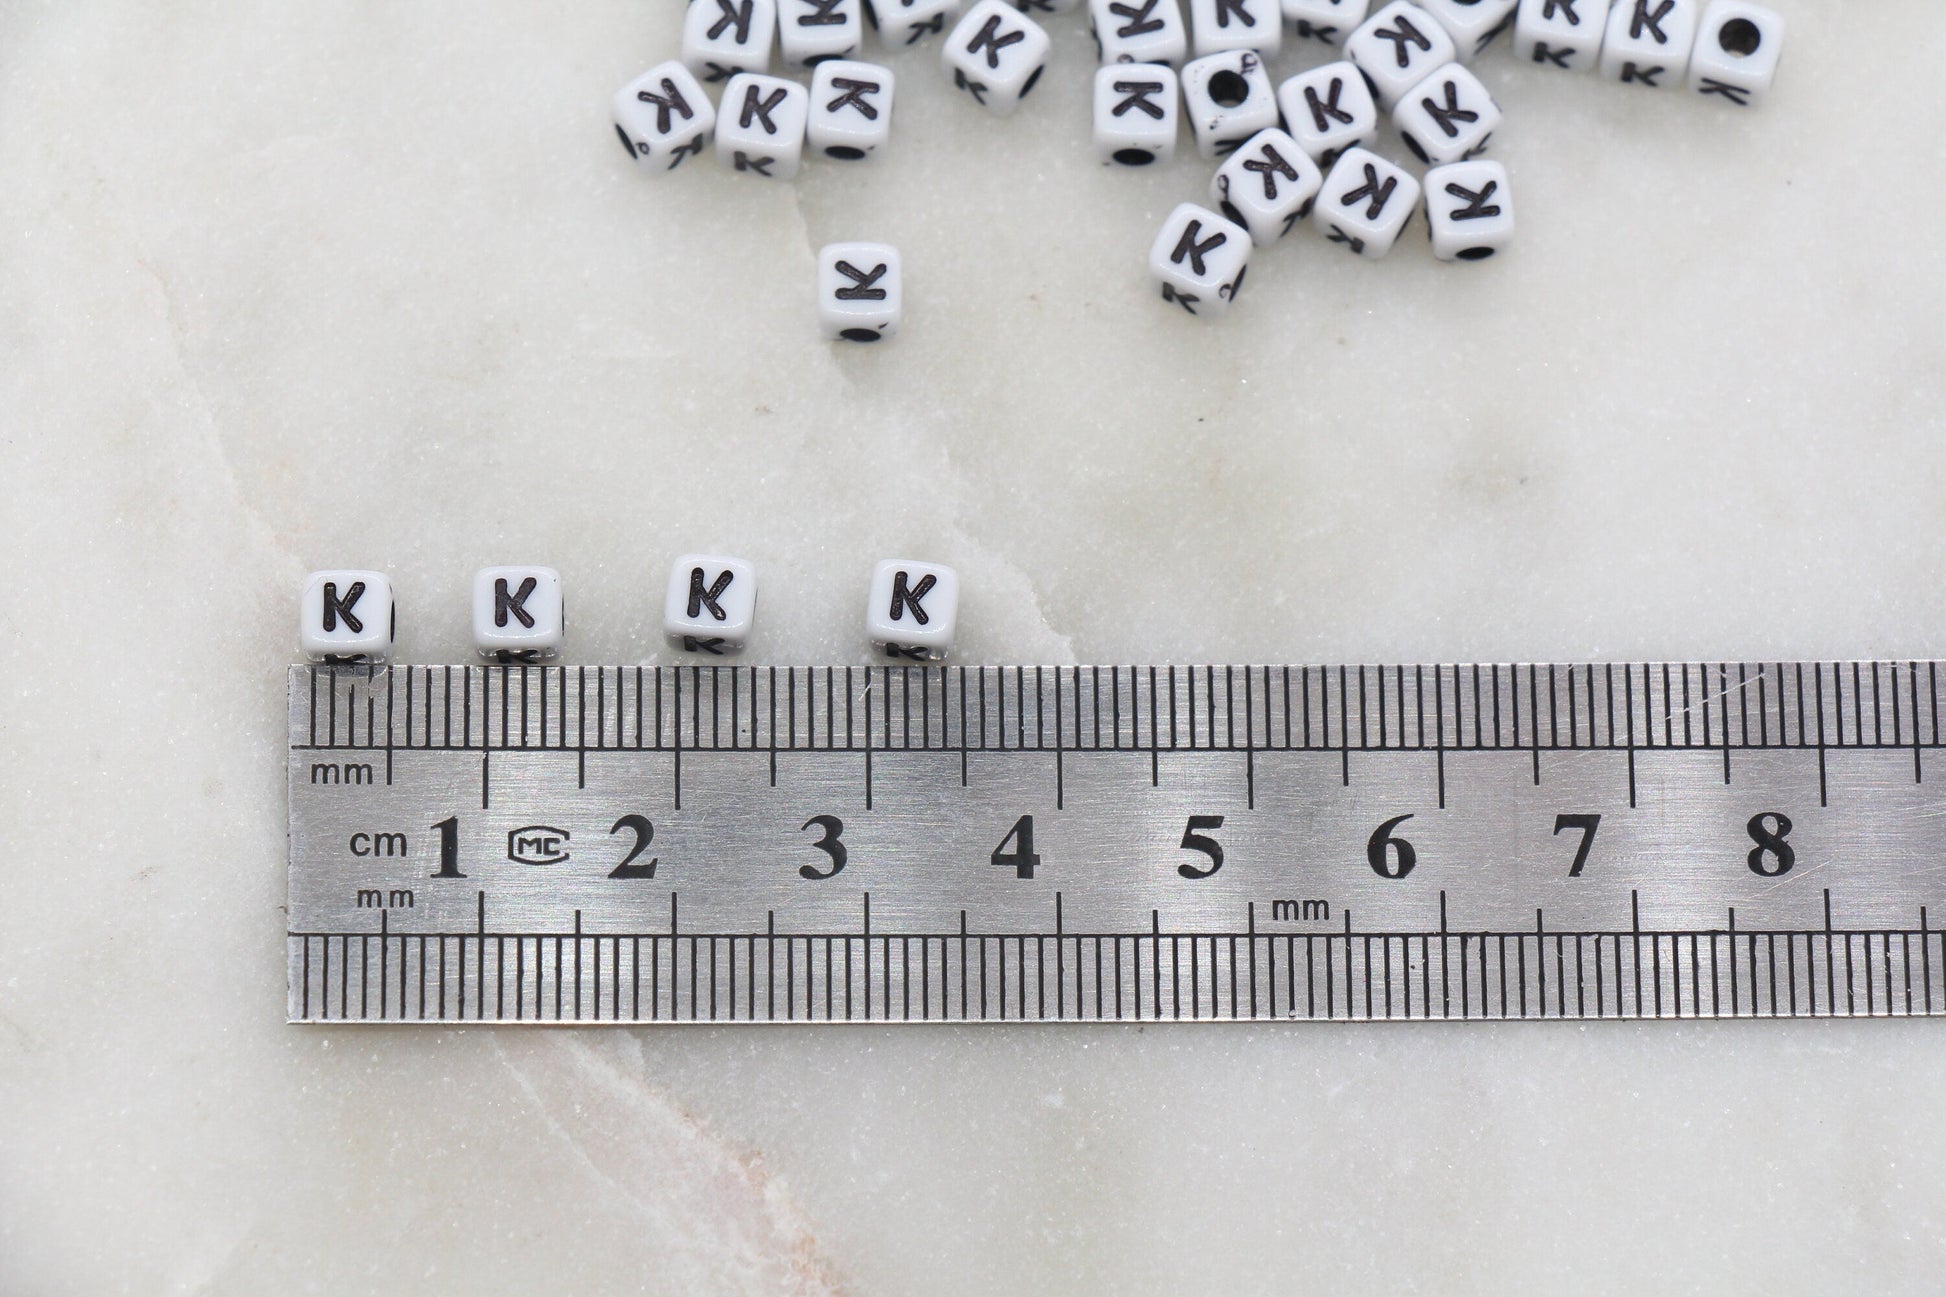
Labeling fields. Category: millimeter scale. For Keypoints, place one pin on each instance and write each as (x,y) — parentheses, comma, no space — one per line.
(904,843)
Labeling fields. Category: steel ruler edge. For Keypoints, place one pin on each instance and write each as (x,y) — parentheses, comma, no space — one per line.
(714,843)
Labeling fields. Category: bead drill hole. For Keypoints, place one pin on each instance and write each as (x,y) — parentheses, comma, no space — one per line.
(844,153)
(860,335)
(1740,37)
(1134,157)
(1228,89)
(1475,254)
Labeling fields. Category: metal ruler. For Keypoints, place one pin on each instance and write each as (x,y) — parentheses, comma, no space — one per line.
(1122,844)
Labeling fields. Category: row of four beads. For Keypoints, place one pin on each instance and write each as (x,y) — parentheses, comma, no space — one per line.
(349,615)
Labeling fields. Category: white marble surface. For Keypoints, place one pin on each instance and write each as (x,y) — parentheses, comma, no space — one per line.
(285,286)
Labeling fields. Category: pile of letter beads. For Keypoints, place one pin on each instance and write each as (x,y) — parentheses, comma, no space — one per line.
(1312,154)
(1303,149)
(709,608)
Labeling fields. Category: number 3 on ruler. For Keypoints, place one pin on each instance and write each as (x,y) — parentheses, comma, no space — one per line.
(833,829)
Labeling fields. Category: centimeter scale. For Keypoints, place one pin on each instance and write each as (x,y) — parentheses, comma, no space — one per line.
(554,844)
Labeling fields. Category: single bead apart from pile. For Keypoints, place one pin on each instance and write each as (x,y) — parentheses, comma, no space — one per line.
(861,293)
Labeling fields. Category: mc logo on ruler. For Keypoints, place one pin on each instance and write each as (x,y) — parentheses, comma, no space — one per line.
(1115,844)
(537,845)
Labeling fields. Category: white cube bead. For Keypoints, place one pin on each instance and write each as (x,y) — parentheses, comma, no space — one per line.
(1329,21)
(517,613)
(1267,186)
(851,109)
(811,31)
(710,605)
(1397,48)
(1563,34)
(721,38)
(904,23)
(1648,42)
(346,615)
(1139,31)
(1366,203)
(1473,24)
(1227,99)
(1328,110)
(1221,25)
(760,131)
(1447,117)
(1199,259)
(860,295)
(996,54)
(663,117)
(1469,210)
(1737,49)
(1136,113)
(913,610)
